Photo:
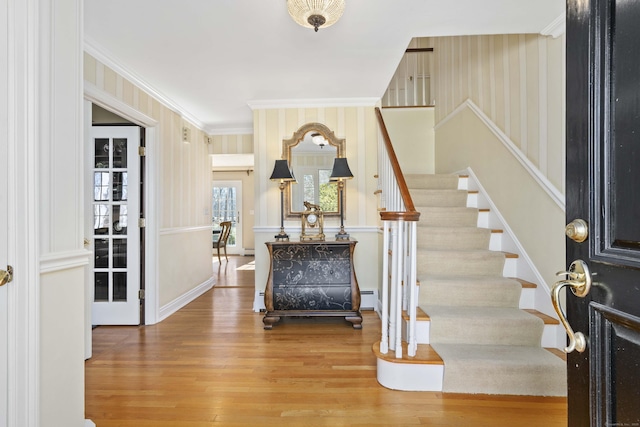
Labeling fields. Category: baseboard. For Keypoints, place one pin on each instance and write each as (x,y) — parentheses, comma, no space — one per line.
(368,299)
(175,305)
(258,302)
(89,423)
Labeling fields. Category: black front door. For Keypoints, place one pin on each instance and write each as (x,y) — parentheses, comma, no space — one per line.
(603,188)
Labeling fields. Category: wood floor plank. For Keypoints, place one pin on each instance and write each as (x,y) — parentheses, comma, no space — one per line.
(212,364)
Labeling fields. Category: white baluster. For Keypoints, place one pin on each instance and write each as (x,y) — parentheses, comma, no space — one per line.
(384,340)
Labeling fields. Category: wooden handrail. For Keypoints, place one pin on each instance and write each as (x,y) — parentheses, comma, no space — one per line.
(411,213)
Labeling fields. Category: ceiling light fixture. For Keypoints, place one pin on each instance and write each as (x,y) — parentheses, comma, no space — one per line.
(315,13)
(318,139)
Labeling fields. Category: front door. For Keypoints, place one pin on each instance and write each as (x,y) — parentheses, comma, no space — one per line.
(603,189)
(112,220)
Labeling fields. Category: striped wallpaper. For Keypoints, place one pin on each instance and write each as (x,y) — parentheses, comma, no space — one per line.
(517,80)
(184,167)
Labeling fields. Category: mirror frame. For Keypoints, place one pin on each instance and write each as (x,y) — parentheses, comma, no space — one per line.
(288,144)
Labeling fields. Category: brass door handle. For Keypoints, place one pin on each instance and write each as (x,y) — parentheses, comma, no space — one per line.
(579,280)
(6,275)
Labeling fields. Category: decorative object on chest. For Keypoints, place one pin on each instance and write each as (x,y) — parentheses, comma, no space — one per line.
(312,223)
(312,279)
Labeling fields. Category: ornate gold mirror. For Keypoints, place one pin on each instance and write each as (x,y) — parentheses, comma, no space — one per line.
(310,153)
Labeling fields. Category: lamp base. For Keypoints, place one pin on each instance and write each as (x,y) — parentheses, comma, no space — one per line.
(342,235)
(282,237)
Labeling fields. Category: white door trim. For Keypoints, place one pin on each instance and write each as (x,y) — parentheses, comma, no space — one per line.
(152,198)
(24,121)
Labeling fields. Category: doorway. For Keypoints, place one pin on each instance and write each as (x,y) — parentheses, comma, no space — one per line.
(227,206)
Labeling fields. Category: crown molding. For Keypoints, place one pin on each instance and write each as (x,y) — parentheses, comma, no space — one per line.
(110,60)
(312,103)
(556,28)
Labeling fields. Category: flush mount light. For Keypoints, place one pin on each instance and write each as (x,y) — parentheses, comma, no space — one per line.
(318,139)
(315,13)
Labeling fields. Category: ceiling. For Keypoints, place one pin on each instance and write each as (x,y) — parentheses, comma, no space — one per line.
(210,58)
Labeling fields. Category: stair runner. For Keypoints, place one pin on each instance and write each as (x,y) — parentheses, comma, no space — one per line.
(487,343)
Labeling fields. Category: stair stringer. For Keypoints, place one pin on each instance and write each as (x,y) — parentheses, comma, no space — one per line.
(554,336)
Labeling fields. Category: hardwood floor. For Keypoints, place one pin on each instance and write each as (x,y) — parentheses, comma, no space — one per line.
(212,364)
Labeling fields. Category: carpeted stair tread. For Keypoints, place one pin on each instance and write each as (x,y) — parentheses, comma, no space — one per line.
(447,216)
(446,198)
(483,325)
(453,238)
(437,181)
(471,291)
(459,263)
(489,369)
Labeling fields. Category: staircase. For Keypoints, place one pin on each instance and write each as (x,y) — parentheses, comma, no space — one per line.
(477,331)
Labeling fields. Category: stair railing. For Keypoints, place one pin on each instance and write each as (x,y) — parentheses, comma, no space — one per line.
(399,220)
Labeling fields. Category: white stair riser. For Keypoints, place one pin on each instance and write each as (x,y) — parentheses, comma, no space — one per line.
(527,298)
(409,376)
(495,242)
(422,331)
(510,267)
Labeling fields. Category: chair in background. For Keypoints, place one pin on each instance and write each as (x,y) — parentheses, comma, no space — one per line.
(223,236)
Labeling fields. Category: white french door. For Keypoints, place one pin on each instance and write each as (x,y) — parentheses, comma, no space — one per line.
(113,171)
(227,206)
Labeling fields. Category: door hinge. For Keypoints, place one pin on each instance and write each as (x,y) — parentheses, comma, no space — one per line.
(142,222)
(141,294)
(142,151)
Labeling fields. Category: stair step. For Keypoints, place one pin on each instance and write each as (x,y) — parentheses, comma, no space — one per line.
(442,198)
(446,238)
(483,326)
(548,320)
(435,182)
(469,291)
(443,216)
(490,369)
(460,263)
(425,355)
(421,316)
(525,284)
(561,354)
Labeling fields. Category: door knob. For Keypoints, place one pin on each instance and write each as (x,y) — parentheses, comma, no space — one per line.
(577,230)
(578,278)
(6,275)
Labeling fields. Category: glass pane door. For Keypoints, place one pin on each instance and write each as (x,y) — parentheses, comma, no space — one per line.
(115,233)
(227,206)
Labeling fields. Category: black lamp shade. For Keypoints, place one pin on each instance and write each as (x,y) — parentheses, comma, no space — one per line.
(340,169)
(282,172)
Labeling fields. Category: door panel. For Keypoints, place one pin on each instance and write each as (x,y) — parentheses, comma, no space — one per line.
(113,220)
(603,188)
